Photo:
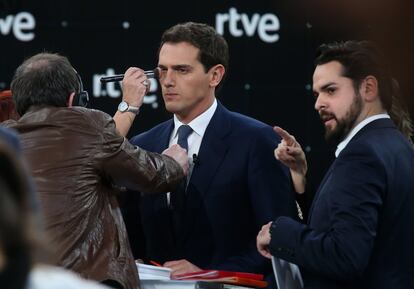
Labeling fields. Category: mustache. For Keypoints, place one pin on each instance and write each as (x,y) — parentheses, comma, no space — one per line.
(324,115)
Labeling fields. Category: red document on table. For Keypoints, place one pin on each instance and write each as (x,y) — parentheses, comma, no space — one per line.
(239,278)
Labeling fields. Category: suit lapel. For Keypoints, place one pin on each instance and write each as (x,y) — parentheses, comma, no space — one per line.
(379,123)
(161,141)
(318,192)
(212,151)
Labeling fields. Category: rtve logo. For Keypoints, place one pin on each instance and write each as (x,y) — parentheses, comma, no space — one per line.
(266,25)
(21,25)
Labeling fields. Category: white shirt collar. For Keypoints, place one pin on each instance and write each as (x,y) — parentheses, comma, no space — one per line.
(200,123)
(341,146)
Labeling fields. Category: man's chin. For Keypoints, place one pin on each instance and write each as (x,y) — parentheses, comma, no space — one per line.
(170,107)
(333,136)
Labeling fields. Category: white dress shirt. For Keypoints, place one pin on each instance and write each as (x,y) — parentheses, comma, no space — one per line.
(199,126)
(356,129)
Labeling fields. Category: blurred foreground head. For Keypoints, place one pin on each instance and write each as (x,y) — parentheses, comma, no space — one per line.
(15,218)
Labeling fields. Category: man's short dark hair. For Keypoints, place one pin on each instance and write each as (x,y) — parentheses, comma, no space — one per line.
(213,47)
(44,79)
(359,60)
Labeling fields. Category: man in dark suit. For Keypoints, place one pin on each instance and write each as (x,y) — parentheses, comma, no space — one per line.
(234,188)
(359,233)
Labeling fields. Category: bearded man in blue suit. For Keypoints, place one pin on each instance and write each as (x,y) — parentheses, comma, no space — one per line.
(235,186)
(359,232)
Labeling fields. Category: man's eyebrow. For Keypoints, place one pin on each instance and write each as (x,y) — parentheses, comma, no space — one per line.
(181,66)
(177,66)
(326,86)
(323,88)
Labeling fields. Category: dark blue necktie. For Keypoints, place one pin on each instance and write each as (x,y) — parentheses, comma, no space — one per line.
(178,197)
(183,132)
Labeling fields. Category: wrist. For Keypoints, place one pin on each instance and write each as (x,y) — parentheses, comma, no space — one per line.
(299,174)
(299,181)
(126,107)
(272,228)
(129,115)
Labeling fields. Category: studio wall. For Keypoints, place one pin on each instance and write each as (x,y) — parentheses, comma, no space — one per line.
(272,46)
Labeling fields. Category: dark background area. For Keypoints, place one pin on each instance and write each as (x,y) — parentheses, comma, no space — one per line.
(267,81)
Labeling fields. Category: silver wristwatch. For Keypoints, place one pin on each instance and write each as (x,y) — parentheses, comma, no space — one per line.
(124,106)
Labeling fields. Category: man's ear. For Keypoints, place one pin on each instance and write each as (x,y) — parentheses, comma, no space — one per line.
(369,88)
(70,99)
(216,74)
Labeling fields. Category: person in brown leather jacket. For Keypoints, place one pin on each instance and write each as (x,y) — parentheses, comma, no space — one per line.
(79,161)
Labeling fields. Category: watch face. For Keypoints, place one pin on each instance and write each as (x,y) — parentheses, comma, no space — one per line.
(123,106)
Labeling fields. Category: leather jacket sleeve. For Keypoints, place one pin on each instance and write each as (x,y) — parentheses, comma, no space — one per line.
(133,167)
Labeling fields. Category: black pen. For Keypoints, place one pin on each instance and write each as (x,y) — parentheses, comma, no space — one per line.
(118,77)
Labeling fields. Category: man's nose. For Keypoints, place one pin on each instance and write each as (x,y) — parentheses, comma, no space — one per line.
(169,78)
(319,103)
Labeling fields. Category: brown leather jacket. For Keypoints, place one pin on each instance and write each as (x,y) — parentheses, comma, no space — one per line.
(78,160)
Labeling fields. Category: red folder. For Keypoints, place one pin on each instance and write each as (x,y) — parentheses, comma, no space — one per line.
(214,274)
(240,281)
(237,278)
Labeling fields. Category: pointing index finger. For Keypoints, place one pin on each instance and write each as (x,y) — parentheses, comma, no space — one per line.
(289,139)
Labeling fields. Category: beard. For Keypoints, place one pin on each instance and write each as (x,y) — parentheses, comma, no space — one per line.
(345,124)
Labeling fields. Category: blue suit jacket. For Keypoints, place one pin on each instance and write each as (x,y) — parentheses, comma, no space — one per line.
(360,232)
(235,188)
(10,137)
